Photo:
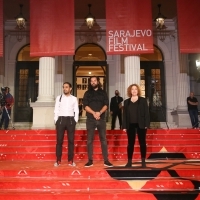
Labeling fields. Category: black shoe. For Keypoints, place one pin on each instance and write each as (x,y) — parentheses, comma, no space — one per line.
(143,163)
(129,164)
(108,164)
(89,163)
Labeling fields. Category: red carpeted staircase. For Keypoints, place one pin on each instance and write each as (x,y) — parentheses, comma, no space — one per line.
(172,172)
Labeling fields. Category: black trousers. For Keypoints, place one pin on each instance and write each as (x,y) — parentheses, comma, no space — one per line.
(91,125)
(116,114)
(68,124)
(131,133)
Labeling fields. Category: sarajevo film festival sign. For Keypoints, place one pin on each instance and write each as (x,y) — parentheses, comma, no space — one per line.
(129,27)
(128,41)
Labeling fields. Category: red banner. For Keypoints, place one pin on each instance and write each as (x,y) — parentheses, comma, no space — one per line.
(188,25)
(1,28)
(129,27)
(52,27)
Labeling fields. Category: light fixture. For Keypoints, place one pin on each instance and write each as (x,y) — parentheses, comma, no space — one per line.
(90,31)
(160,25)
(89,19)
(198,65)
(21,22)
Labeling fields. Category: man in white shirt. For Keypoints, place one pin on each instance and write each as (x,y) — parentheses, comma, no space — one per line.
(65,117)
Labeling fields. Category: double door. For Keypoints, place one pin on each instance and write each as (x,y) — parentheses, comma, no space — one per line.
(26,89)
(153,88)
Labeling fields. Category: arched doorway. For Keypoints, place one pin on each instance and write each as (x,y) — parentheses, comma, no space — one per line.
(153,84)
(89,60)
(26,84)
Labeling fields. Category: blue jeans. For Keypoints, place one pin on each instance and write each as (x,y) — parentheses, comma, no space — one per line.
(194,118)
(5,118)
(91,125)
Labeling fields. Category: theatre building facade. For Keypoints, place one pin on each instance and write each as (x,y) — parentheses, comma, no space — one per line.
(165,76)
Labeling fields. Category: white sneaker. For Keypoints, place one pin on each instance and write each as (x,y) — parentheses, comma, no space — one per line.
(56,164)
(71,163)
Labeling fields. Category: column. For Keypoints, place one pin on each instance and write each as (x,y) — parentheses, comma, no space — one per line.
(59,61)
(46,79)
(183,83)
(43,108)
(119,76)
(183,88)
(183,91)
(132,70)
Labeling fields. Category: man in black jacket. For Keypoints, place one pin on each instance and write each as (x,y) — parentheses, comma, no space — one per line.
(116,109)
(95,102)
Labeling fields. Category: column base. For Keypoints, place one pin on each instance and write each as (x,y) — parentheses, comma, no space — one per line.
(181,108)
(43,115)
(45,99)
(181,118)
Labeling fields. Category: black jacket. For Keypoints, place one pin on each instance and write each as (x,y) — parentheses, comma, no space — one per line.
(114,105)
(143,113)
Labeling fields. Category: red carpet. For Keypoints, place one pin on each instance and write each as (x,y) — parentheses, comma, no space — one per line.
(172,172)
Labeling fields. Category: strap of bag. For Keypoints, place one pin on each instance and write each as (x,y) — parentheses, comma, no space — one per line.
(60,98)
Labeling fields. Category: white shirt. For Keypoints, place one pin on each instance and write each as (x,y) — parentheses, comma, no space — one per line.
(68,106)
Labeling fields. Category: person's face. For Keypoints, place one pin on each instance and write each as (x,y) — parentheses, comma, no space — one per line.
(116,92)
(94,82)
(5,91)
(134,91)
(66,89)
(191,94)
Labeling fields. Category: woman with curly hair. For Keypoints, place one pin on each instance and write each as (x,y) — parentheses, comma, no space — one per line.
(135,120)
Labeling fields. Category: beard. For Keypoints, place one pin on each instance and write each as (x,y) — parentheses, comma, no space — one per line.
(65,92)
(94,86)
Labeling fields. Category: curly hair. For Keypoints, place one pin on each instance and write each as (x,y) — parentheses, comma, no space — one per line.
(130,87)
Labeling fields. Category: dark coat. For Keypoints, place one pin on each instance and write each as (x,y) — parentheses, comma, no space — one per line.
(143,113)
(114,105)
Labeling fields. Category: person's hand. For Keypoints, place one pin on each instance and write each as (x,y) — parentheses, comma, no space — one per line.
(55,120)
(96,115)
(76,120)
(124,130)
